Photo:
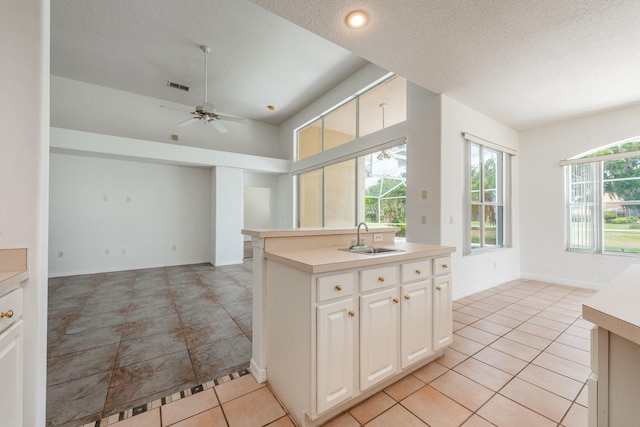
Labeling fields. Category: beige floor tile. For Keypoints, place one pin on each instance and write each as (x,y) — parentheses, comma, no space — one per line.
(505,298)
(497,359)
(583,397)
(524,308)
(551,381)
(489,305)
(397,416)
(504,412)
(548,323)
(211,418)
(282,422)
(189,406)
(372,407)
(564,310)
(539,331)
(528,339)
(563,366)
(581,323)
(465,345)
(457,326)
(236,388)
(576,417)
(344,420)
(492,327)
(514,314)
(483,374)
(477,335)
(503,320)
(569,353)
(477,421)
(557,317)
(146,419)
(515,349)
(464,318)
(403,388)
(578,332)
(430,372)
(474,311)
(451,358)
(573,341)
(436,409)
(466,392)
(257,408)
(537,399)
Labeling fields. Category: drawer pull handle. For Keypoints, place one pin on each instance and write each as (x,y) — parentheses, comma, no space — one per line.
(395,300)
(407,297)
(438,288)
(381,279)
(418,272)
(352,313)
(445,266)
(8,314)
(338,288)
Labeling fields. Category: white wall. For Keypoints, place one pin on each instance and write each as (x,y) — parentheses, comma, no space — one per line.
(91,108)
(24,120)
(228,216)
(542,197)
(270,183)
(472,273)
(169,206)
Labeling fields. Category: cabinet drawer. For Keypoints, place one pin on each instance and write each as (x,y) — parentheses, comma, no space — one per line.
(10,309)
(377,278)
(442,265)
(334,286)
(415,270)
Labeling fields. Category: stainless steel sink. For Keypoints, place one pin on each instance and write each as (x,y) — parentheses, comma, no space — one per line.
(367,250)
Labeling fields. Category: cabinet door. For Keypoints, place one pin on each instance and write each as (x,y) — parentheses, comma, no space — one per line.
(11,357)
(415,322)
(378,336)
(442,313)
(335,353)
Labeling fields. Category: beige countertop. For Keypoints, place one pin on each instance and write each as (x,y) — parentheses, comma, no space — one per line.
(616,308)
(322,260)
(13,268)
(302,232)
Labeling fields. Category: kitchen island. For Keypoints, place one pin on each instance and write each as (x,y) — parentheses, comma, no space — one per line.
(336,326)
(615,351)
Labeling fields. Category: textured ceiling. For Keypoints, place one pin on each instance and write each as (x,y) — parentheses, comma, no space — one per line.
(523,63)
(257,59)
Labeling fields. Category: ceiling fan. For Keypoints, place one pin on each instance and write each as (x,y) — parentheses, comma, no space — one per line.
(206,111)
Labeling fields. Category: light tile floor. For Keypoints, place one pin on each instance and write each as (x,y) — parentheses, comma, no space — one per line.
(519,357)
(118,340)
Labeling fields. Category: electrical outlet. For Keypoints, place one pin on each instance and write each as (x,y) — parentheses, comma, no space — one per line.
(123,252)
(128,199)
(423,219)
(105,198)
(377,237)
(107,252)
(60,254)
(173,248)
(424,194)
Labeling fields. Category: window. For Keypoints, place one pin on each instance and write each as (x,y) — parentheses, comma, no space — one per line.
(603,200)
(370,188)
(488,195)
(366,112)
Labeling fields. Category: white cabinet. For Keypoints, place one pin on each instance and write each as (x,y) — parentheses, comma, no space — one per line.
(11,358)
(415,322)
(442,312)
(335,353)
(378,336)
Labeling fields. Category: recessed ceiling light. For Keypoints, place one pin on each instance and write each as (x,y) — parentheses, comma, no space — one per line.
(357,19)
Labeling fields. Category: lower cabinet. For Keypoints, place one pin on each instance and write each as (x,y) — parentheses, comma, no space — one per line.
(442,312)
(336,347)
(378,336)
(415,322)
(11,357)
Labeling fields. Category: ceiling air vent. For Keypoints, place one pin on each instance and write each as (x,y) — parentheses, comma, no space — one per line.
(178,86)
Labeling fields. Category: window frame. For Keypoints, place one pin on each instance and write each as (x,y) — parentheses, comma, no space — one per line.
(502,199)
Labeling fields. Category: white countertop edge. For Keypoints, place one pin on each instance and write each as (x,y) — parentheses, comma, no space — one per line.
(305,232)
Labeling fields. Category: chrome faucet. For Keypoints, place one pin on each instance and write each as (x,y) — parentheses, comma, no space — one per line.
(358,242)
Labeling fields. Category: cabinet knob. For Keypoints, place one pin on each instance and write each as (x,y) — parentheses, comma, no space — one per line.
(352,313)
(418,272)
(381,279)
(438,288)
(407,297)
(445,266)
(8,314)
(338,288)
(395,300)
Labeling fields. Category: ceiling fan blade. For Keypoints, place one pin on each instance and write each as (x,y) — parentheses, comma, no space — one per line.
(231,118)
(219,126)
(188,121)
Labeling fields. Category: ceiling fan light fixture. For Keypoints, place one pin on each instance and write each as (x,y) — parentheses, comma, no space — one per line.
(357,19)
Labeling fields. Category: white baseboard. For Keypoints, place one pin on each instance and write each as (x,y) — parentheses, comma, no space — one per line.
(563,281)
(484,286)
(260,374)
(121,268)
